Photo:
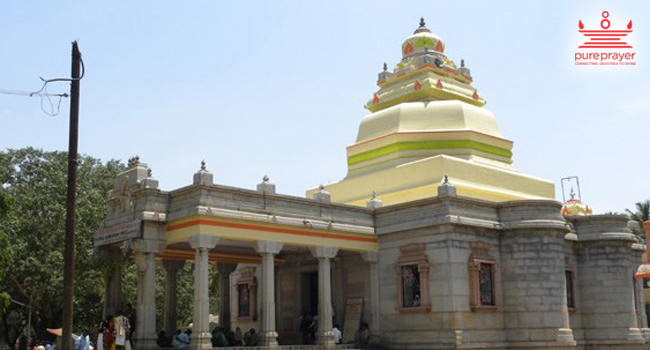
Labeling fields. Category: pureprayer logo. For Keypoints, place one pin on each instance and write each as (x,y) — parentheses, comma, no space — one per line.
(610,49)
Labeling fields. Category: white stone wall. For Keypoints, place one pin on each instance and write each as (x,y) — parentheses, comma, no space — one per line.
(450,322)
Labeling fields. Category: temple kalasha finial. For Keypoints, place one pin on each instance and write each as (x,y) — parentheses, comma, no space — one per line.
(133,161)
(321,187)
(446,179)
(149,172)
(422,24)
(385,67)
(374,194)
(265,178)
(203,165)
(462,63)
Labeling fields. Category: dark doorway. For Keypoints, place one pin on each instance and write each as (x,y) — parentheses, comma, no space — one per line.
(309,293)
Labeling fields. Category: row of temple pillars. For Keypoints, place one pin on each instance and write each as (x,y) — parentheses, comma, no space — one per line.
(145,259)
(171,268)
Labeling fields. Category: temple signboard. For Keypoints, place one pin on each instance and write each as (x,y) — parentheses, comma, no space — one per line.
(353,313)
(118,233)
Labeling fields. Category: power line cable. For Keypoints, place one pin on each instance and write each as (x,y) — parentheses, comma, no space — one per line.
(43,94)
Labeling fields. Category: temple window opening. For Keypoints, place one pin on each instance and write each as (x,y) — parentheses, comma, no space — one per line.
(413,270)
(486,283)
(411,286)
(482,271)
(570,295)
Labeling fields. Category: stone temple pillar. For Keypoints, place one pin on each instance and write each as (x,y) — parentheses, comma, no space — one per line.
(606,287)
(375,329)
(171,310)
(533,274)
(268,335)
(225,269)
(144,254)
(325,336)
(112,283)
(201,337)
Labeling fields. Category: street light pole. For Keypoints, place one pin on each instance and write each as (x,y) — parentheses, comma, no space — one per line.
(69,254)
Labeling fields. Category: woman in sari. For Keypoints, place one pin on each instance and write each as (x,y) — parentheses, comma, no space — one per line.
(109,339)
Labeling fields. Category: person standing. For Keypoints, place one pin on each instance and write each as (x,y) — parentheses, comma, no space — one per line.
(122,331)
(83,342)
(129,312)
(109,340)
(239,337)
(99,345)
(338,336)
(363,336)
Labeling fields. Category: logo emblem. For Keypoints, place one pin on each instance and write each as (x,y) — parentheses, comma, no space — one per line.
(605,38)
(605,46)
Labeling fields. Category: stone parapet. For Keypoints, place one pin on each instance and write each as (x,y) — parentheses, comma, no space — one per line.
(532,214)
(191,200)
(602,227)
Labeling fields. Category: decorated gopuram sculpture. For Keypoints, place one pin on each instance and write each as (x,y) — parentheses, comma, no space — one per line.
(428,120)
(575,206)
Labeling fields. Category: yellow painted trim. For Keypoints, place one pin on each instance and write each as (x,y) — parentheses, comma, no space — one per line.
(428,145)
(244,230)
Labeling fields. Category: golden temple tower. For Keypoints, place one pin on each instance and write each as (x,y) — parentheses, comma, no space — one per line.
(426,121)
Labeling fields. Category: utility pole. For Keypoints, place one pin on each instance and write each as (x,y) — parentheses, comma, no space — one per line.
(69,254)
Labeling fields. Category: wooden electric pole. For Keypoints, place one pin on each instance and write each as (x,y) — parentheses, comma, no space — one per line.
(69,254)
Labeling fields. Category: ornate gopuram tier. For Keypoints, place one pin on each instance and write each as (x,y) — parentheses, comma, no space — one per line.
(427,120)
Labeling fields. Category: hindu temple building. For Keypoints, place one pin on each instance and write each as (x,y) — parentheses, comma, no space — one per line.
(433,239)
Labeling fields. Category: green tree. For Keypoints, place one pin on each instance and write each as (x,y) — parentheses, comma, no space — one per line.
(4,251)
(34,226)
(641,213)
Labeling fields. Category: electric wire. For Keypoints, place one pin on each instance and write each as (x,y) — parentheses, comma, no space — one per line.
(44,95)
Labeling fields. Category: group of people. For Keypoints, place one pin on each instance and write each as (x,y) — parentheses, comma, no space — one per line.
(180,340)
(114,333)
(21,344)
(309,325)
(362,337)
(221,337)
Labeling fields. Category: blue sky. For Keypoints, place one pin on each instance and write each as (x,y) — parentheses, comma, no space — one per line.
(278,87)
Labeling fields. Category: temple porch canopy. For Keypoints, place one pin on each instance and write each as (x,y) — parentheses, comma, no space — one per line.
(207,223)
